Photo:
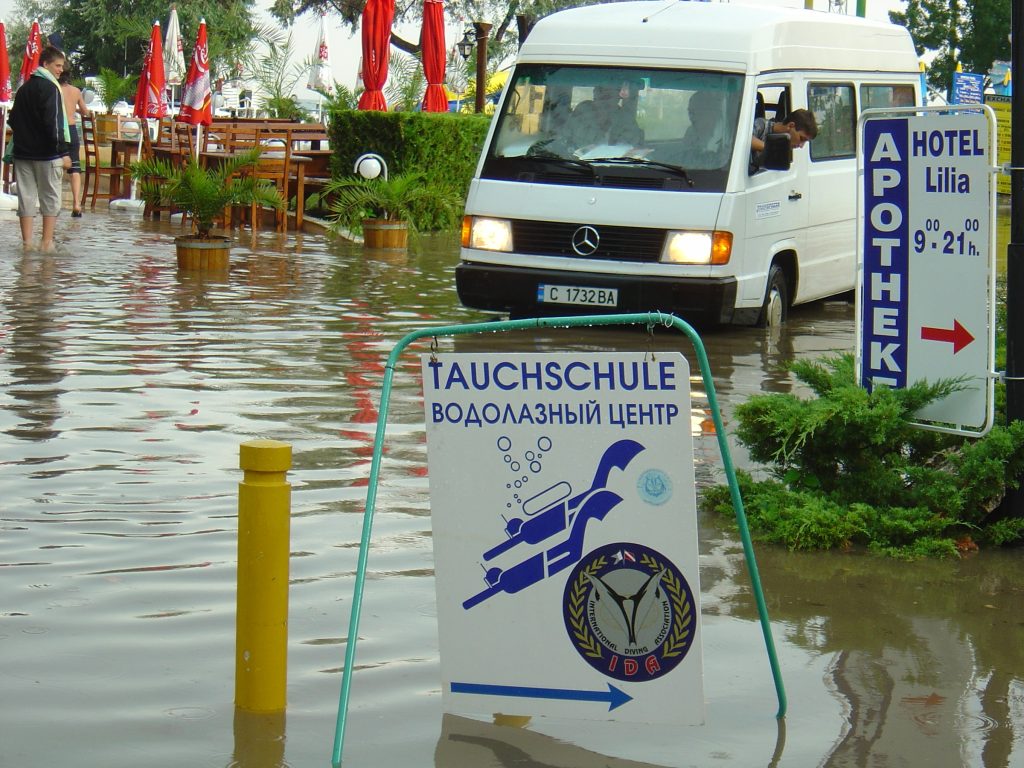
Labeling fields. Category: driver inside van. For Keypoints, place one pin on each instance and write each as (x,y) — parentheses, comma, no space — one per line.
(610,118)
(705,138)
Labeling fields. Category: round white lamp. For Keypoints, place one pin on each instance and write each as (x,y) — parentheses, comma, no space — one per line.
(370,166)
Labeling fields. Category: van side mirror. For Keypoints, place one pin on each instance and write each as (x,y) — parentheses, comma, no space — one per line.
(778,152)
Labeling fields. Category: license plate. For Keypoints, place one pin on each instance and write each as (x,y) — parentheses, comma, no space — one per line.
(576,294)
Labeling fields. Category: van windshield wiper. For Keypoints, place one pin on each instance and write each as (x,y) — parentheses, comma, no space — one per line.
(540,153)
(675,169)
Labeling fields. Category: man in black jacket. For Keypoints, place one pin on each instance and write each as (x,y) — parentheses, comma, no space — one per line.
(41,146)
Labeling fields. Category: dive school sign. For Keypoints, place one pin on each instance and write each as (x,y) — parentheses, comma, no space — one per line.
(565,535)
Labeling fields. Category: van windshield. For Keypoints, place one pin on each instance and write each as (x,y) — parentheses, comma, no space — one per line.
(674,129)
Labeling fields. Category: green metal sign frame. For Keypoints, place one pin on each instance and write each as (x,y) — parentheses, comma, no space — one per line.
(649,319)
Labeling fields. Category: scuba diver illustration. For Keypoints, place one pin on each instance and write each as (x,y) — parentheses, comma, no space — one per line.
(572,513)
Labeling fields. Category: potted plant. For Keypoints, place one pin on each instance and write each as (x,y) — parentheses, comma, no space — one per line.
(203,194)
(385,206)
(112,88)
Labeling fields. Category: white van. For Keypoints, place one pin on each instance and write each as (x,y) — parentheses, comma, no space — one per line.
(574,211)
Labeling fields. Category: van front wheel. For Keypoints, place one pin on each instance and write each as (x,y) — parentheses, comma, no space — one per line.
(776,299)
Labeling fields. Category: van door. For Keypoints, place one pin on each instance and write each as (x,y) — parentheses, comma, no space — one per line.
(776,218)
(828,266)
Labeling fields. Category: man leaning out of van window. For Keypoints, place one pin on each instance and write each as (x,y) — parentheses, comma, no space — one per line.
(799,124)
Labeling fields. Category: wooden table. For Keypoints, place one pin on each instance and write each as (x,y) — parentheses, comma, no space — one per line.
(316,174)
(320,161)
(123,152)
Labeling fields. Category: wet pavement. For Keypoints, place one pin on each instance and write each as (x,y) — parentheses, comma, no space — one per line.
(127,388)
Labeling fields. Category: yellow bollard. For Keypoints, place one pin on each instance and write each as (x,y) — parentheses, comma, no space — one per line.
(261,624)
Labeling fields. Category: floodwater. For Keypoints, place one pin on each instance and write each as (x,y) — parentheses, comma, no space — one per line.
(126,390)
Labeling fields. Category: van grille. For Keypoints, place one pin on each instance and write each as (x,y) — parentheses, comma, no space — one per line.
(550,238)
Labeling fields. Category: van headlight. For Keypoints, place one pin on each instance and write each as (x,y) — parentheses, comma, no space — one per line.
(697,248)
(487,234)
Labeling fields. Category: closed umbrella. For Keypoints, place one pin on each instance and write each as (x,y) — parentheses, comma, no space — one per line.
(320,78)
(6,201)
(33,48)
(432,45)
(376,36)
(5,67)
(174,52)
(197,96)
(149,98)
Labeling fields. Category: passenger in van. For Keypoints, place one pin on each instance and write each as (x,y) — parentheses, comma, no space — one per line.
(705,138)
(799,124)
(605,120)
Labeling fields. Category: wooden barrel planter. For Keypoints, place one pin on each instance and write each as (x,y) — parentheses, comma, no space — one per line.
(106,128)
(209,255)
(382,233)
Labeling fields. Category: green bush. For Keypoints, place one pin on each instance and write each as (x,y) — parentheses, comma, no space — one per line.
(443,147)
(849,468)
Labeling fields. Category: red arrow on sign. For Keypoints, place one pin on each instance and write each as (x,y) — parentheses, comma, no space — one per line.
(959,336)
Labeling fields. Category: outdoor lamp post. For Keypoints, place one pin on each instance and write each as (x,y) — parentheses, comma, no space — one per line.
(483,31)
(370,166)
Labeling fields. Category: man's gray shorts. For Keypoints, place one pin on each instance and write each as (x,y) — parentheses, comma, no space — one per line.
(39,182)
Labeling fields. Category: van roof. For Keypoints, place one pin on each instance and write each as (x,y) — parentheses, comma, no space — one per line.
(729,36)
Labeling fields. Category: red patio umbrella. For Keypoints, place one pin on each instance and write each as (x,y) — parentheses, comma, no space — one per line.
(5,94)
(197,96)
(149,97)
(376,34)
(5,66)
(33,48)
(432,45)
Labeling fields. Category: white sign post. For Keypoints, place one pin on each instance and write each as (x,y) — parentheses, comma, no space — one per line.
(927,265)
(565,535)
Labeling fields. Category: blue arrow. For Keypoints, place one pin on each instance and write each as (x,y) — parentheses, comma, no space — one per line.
(613,696)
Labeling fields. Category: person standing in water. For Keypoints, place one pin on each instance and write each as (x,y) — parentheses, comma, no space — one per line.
(74,107)
(42,144)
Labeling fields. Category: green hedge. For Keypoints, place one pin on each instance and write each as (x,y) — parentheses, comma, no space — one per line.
(443,146)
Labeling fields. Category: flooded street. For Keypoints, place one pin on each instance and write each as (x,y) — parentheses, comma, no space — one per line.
(126,390)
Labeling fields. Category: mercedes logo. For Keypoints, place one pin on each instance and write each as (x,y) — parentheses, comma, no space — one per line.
(585,240)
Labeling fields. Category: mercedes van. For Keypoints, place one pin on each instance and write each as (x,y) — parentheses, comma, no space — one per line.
(617,176)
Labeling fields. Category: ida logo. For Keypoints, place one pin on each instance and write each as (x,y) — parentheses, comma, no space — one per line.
(629,612)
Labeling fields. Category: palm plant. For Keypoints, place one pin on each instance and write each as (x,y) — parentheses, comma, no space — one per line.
(406,83)
(113,88)
(397,198)
(340,97)
(204,193)
(277,78)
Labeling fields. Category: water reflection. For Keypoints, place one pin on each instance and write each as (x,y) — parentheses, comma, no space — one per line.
(467,742)
(34,348)
(922,664)
(259,740)
(135,384)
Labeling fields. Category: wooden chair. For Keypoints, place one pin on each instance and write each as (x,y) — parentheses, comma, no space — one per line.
(274,167)
(239,138)
(94,171)
(184,142)
(162,144)
(152,207)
